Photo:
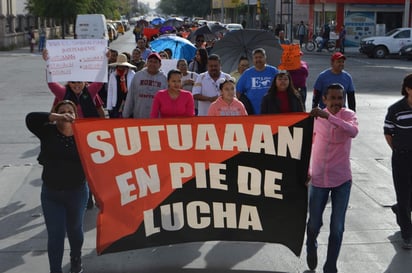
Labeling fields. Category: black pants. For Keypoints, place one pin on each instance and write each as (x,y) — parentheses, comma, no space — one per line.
(402,179)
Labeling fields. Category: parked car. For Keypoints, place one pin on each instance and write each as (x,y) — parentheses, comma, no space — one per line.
(119,27)
(231,27)
(391,43)
(91,26)
(112,32)
(406,52)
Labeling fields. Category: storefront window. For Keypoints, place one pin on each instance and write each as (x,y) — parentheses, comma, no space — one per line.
(330,18)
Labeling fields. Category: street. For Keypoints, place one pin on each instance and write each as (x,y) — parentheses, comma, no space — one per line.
(371,242)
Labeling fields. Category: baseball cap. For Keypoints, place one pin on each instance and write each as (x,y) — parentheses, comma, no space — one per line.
(337,56)
(154,55)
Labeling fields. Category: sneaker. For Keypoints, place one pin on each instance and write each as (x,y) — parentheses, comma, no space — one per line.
(407,244)
(76,265)
(312,260)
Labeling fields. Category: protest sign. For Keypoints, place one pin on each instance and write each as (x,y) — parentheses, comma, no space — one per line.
(169,181)
(77,60)
(290,57)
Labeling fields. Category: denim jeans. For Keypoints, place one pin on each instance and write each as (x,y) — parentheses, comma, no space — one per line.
(63,212)
(318,198)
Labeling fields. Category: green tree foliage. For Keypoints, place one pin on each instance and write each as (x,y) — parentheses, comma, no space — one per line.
(68,9)
(59,9)
(185,7)
(168,6)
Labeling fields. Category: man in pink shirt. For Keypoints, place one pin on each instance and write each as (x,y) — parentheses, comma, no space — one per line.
(330,173)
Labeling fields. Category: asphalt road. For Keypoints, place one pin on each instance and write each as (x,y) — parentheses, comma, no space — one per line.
(371,241)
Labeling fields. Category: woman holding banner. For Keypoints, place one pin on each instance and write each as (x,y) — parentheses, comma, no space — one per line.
(64,191)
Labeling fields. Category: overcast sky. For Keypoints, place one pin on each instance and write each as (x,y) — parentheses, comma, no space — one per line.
(152,3)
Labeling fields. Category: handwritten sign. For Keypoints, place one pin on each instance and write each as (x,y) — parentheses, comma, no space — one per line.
(168,64)
(290,57)
(77,60)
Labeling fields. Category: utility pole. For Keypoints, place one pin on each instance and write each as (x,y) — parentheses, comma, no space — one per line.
(407,14)
(222,11)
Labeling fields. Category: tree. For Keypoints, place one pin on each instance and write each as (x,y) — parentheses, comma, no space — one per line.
(185,7)
(67,10)
(168,6)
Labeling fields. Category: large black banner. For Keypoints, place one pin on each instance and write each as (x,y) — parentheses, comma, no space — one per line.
(169,181)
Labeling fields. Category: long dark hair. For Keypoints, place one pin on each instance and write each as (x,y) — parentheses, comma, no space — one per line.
(291,90)
(273,89)
(202,65)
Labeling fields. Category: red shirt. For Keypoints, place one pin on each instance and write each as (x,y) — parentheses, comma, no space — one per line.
(165,107)
(284,102)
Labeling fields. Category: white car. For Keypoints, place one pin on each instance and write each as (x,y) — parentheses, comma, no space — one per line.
(231,27)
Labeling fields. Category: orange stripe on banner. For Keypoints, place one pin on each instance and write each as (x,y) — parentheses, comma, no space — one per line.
(118,154)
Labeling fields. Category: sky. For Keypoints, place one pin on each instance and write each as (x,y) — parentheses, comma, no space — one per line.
(152,3)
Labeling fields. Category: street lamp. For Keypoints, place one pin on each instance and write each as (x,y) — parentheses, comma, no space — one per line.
(222,10)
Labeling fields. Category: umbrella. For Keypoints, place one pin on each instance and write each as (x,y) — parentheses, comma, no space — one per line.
(181,47)
(208,30)
(157,21)
(174,22)
(166,29)
(142,22)
(242,42)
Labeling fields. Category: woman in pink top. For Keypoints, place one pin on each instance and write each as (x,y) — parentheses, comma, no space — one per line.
(84,95)
(227,104)
(81,93)
(173,101)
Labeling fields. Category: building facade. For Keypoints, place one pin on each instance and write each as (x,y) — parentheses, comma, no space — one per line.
(15,23)
(361,18)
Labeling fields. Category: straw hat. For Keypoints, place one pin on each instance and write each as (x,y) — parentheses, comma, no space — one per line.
(122,61)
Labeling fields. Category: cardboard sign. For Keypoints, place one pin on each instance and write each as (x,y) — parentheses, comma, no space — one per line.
(290,57)
(77,60)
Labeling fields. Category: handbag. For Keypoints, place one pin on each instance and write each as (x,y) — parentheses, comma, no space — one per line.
(33,41)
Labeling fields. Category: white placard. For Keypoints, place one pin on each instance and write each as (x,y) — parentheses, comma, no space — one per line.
(77,60)
(168,64)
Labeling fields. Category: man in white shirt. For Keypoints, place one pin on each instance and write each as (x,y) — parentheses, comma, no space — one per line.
(206,88)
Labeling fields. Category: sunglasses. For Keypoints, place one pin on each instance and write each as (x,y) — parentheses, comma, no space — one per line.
(75,82)
(200,41)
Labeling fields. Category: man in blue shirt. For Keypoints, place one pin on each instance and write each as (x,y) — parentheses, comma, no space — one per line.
(255,81)
(334,74)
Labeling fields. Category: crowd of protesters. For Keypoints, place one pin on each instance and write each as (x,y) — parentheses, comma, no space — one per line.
(139,88)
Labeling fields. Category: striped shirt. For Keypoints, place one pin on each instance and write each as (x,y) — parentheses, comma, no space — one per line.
(398,124)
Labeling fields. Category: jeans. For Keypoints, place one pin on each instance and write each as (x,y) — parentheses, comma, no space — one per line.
(318,198)
(63,212)
(402,179)
(42,43)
